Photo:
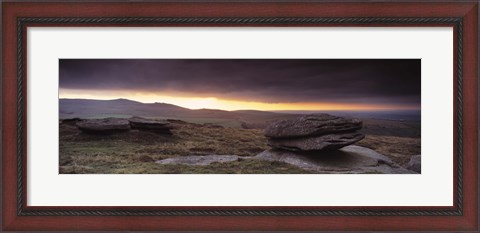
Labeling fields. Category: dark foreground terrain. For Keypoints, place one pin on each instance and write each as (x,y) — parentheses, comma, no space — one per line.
(203,132)
(137,151)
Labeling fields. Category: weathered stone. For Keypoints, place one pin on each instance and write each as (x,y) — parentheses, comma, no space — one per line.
(415,164)
(100,126)
(311,125)
(324,142)
(159,126)
(71,121)
(350,159)
(199,160)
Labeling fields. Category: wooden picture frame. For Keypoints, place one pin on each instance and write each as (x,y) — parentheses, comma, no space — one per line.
(462,16)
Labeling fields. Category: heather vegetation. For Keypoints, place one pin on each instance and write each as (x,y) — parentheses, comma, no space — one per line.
(137,151)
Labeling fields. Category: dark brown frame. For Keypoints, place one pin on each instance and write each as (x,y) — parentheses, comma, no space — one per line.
(462,16)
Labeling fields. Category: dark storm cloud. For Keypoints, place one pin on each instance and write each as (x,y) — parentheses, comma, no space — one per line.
(381,81)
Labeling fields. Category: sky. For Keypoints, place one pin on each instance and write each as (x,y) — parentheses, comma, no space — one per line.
(240,84)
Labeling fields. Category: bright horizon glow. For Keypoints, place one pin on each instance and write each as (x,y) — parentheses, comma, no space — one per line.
(224,104)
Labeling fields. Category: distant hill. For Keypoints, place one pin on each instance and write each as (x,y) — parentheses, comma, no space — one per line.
(87,108)
(70,108)
(247,119)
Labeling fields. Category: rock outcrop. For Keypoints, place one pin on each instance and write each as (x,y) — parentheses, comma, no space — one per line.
(311,125)
(71,121)
(103,126)
(158,126)
(350,159)
(116,125)
(323,142)
(313,133)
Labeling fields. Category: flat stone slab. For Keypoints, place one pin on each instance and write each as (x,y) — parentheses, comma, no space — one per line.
(311,125)
(199,159)
(316,143)
(161,126)
(350,159)
(148,122)
(71,121)
(107,125)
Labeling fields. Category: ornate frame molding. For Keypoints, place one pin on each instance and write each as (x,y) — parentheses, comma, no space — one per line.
(22,210)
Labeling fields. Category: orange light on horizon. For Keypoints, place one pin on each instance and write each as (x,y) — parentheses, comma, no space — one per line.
(223,104)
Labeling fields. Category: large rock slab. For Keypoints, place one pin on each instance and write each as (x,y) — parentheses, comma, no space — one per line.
(324,142)
(350,160)
(199,159)
(71,121)
(159,126)
(103,126)
(311,125)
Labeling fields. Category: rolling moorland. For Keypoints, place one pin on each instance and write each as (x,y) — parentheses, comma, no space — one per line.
(202,132)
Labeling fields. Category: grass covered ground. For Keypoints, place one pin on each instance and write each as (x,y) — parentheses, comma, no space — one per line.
(398,149)
(137,151)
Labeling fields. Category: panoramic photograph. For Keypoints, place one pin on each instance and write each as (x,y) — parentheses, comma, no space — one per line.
(239,116)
